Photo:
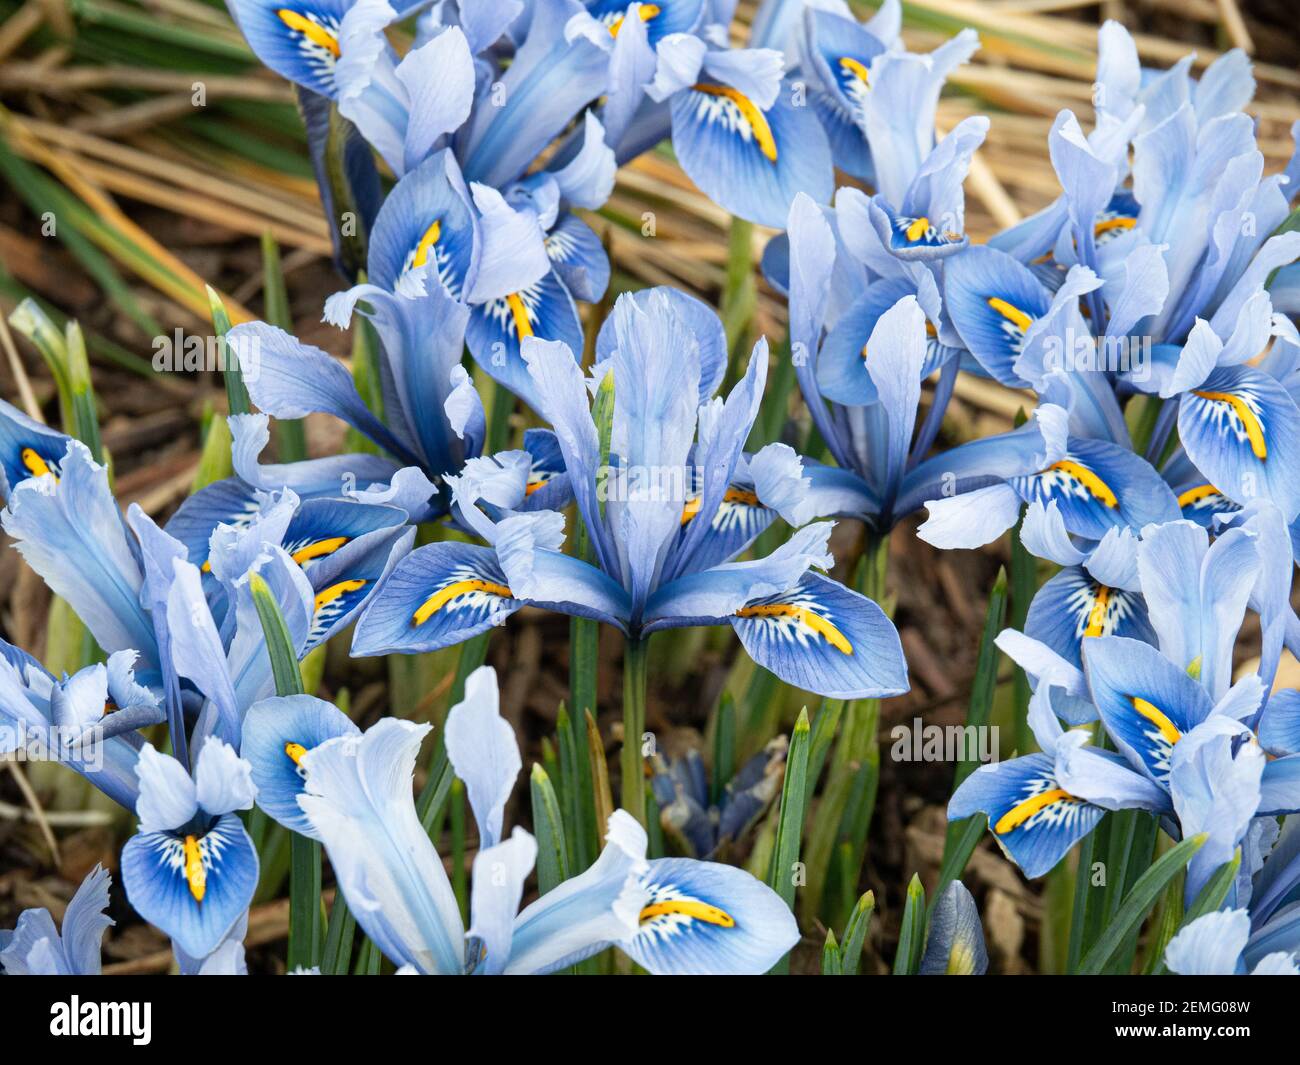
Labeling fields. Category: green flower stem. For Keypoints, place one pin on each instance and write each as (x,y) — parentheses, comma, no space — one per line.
(632,761)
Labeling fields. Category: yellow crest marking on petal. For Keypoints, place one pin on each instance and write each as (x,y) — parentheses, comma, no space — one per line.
(732,495)
(34,464)
(812,619)
(857,69)
(1097,615)
(195,874)
(1195,495)
(1108,224)
(533,486)
(314,32)
(917,229)
(519,313)
(1098,488)
(1022,812)
(206,567)
(426,244)
(335,591)
(1168,730)
(750,111)
(696,910)
(295,751)
(1011,313)
(443,596)
(647,12)
(1248,418)
(319,549)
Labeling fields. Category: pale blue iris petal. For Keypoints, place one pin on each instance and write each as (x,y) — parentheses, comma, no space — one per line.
(223,781)
(498,886)
(293,380)
(1211,945)
(484,753)
(72,534)
(579,258)
(167,796)
(359,801)
(587,912)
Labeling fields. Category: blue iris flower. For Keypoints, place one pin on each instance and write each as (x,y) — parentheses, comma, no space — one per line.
(866,346)
(667,508)
(1191,743)
(352,791)
(191,870)
(36,947)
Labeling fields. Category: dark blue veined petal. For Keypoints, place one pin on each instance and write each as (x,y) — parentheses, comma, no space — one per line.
(27,449)
(992,300)
(544,310)
(842,362)
(321,527)
(1145,701)
(705,918)
(1034,820)
(231,502)
(921,237)
(579,258)
(1201,502)
(737,523)
(661,18)
(1100,486)
(437,596)
(824,638)
(548,486)
(838,52)
(342,581)
(1072,605)
(276,733)
(298,39)
(748,160)
(1117,218)
(193,886)
(426,218)
(1242,430)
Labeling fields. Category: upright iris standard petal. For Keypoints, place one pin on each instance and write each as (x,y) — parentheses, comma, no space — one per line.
(194,884)
(823,637)
(705,918)
(438,595)
(359,801)
(36,948)
(498,886)
(277,732)
(1034,820)
(483,751)
(1242,430)
(751,160)
(1146,702)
